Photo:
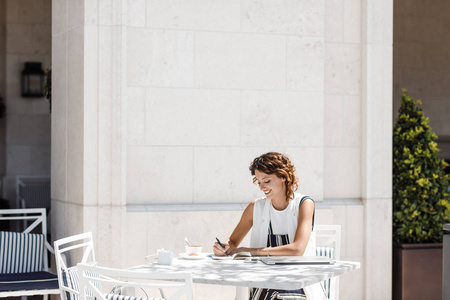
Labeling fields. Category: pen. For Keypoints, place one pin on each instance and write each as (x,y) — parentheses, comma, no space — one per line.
(221,245)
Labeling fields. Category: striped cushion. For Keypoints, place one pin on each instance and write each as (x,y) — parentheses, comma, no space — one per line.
(71,280)
(21,252)
(326,252)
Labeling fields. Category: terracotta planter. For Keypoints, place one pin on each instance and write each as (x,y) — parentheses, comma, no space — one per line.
(417,271)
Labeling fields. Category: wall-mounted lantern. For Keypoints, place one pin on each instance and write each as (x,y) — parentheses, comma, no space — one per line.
(32,80)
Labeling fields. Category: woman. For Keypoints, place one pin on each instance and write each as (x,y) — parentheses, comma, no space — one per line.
(282,221)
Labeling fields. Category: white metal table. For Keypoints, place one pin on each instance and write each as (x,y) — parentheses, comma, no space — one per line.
(243,274)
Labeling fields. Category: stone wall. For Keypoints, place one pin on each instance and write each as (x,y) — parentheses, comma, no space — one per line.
(88,137)
(225,91)
(342,102)
(27,38)
(211,86)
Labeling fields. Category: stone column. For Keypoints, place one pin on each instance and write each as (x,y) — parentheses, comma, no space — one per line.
(88,122)
(376,150)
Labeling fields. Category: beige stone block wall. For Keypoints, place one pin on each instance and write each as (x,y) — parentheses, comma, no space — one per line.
(209,120)
(67,123)
(88,164)
(240,61)
(200,83)
(342,100)
(59,108)
(158,57)
(376,145)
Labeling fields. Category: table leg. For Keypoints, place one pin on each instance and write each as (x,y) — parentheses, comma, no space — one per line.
(241,293)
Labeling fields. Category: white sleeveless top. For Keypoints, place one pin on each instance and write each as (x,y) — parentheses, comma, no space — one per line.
(286,219)
(278,217)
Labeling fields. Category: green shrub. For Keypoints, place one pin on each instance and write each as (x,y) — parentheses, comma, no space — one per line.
(421,203)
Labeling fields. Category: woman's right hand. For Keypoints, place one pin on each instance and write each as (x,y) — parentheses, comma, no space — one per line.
(219,251)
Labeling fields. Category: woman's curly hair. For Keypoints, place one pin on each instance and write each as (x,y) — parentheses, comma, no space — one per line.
(281,166)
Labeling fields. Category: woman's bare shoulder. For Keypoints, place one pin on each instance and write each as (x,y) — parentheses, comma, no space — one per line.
(307,206)
(251,205)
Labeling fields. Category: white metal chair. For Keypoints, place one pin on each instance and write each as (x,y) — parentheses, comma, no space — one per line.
(97,283)
(328,244)
(33,192)
(68,252)
(328,241)
(24,267)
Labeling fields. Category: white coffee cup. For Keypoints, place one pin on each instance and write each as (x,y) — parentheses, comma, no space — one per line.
(165,257)
(193,250)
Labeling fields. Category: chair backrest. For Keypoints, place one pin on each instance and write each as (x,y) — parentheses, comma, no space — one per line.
(21,252)
(328,244)
(93,278)
(69,252)
(33,192)
(329,236)
(33,237)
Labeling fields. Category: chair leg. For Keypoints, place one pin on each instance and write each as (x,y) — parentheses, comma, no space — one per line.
(241,293)
(161,291)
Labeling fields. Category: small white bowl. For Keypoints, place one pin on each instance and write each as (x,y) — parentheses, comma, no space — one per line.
(193,250)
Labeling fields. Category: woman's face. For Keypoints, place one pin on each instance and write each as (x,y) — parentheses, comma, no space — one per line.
(272,186)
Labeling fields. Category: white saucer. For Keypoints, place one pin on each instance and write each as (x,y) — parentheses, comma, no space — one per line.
(200,256)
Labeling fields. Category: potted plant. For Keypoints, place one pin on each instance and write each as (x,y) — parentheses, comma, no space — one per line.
(421,204)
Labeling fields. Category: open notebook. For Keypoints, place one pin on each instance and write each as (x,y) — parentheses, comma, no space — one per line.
(297,260)
(239,255)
